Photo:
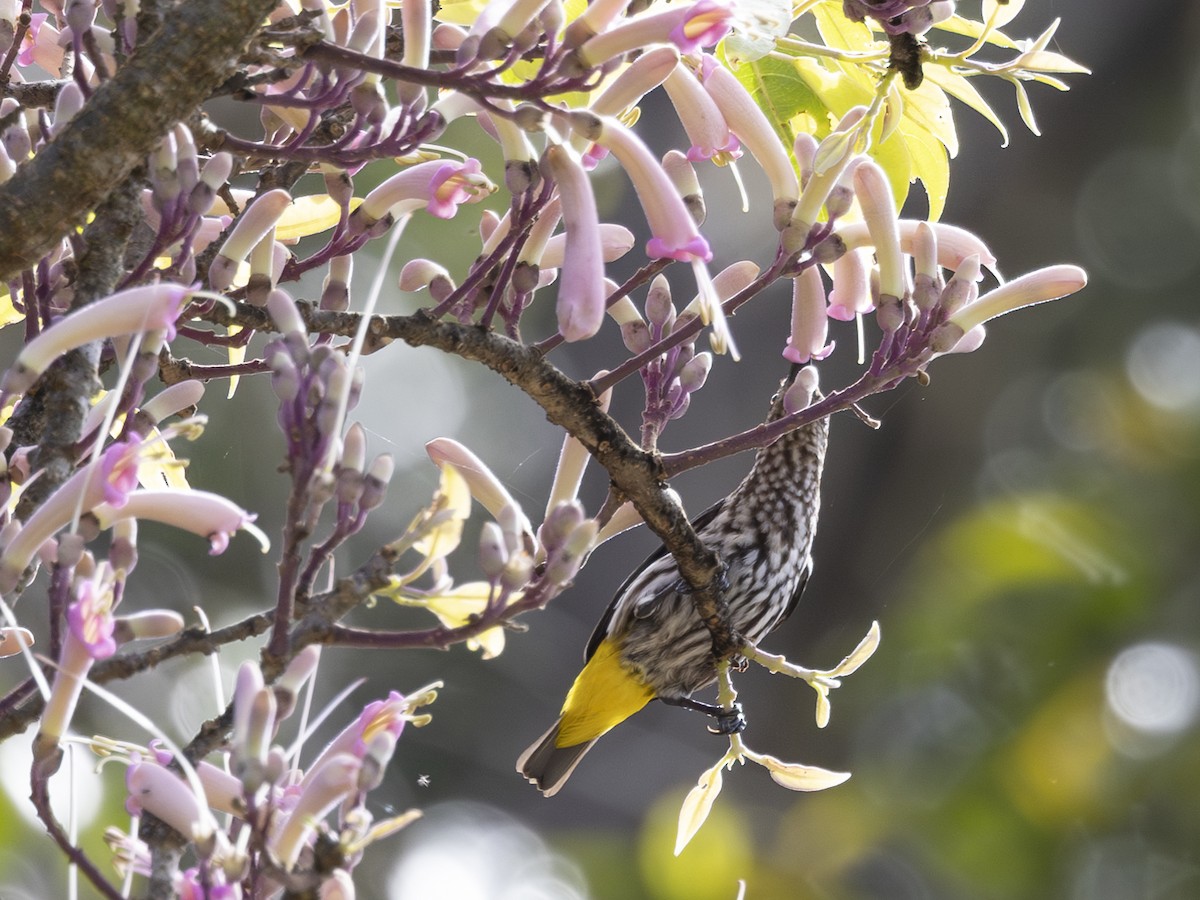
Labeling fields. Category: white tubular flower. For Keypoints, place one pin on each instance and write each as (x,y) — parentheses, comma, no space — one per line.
(150,308)
(482,483)
(751,126)
(252,226)
(323,789)
(200,512)
(879,212)
(954,244)
(170,400)
(1041,286)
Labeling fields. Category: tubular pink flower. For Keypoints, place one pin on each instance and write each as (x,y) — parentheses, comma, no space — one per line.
(322,789)
(810,321)
(41,45)
(90,617)
(438,185)
(73,665)
(851,294)
(419,274)
(834,154)
(879,212)
(200,512)
(580,305)
(748,122)
(625,91)
(148,308)
(701,118)
(639,78)
(572,460)
(954,244)
(251,227)
(675,234)
(302,667)
(683,175)
(111,480)
(89,638)
(246,687)
(157,790)
(378,715)
(688,27)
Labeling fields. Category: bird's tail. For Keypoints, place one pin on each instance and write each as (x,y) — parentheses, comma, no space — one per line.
(549,766)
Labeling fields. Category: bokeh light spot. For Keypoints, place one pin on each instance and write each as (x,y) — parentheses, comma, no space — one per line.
(1154,688)
(1163,365)
(1136,251)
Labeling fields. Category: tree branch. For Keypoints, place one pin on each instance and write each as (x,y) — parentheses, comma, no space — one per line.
(165,79)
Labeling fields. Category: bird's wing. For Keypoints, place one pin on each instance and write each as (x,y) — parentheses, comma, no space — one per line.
(623,605)
(795,598)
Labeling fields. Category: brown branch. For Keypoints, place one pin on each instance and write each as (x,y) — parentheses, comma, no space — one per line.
(166,78)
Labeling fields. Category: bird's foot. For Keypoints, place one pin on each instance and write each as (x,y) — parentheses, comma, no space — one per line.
(727,721)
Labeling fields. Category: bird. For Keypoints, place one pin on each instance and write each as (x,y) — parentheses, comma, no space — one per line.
(651,644)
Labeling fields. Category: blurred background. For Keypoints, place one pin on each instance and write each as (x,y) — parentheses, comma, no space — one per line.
(1026,529)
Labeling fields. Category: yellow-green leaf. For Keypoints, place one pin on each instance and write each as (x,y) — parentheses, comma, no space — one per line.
(9,315)
(972,29)
(309,215)
(161,468)
(1003,10)
(454,499)
(237,355)
(697,805)
(961,89)
(931,164)
(460,12)
(1025,108)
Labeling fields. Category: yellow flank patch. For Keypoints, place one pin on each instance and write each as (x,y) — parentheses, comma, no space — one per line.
(605,694)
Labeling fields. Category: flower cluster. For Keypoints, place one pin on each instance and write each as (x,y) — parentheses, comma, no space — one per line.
(277,834)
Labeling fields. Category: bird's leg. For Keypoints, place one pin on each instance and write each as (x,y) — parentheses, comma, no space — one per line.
(728,721)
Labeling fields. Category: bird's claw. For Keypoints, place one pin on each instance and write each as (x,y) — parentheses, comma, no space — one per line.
(729,721)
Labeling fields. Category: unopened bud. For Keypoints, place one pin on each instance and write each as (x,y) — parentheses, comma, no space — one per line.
(695,372)
(154,623)
(517,571)
(799,394)
(659,308)
(493,554)
(376,485)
